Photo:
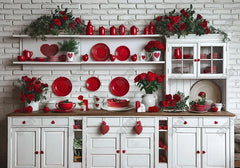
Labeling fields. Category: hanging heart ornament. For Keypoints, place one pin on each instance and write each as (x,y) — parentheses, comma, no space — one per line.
(138,127)
(104,128)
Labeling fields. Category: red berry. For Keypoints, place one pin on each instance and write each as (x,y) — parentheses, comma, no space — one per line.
(46,109)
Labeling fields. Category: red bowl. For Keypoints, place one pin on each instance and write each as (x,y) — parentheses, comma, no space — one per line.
(21,58)
(40,59)
(65,106)
(186,56)
(118,102)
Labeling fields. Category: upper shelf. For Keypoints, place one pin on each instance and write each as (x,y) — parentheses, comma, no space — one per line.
(93,36)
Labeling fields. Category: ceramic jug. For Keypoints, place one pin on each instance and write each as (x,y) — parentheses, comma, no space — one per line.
(134,30)
(90,28)
(122,29)
(113,30)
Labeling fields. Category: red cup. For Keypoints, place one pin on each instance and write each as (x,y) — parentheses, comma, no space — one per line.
(102,31)
(28,54)
(112,57)
(85,57)
(21,58)
(113,30)
(122,29)
(134,57)
(134,30)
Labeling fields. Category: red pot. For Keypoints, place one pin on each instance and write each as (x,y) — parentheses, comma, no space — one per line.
(113,30)
(65,106)
(102,31)
(134,30)
(21,58)
(85,57)
(122,29)
(198,107)
(134,57)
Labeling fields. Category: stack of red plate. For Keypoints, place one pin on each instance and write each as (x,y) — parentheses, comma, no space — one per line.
(53,58)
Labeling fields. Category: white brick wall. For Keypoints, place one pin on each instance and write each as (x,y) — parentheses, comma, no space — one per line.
(14,14)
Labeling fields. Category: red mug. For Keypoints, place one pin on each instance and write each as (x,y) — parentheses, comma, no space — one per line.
(146,30)
(85,57)
(134,30)
(113,30)
(28,54)
(134,57)
(122,29)
(102,31)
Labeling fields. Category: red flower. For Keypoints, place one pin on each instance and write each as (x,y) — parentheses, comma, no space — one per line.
(159,18)
(64,17)
(165,103)
(170,27)
(204,24)
(17,111)
(149,45)
(29,87)
(38,90)
(136,79)
(202,94)
(185,14)
(168,97)
(143,76)
(207,30)
(175,19)
(22,97)
(24,78)
(72,25)
(78,20)
(45,85)
(182,11)
(30,97)
(63,13)
(162,76)
(33,79)
(199,16)
(176,98)
(151,78)
(80,97)
(160,79)
(57,22)
(182,26)
(158,45)
(27,109)
(172,103)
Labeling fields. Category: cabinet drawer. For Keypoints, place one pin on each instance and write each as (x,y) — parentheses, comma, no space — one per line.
(97,121)
(53,121)
(185,122)
(29,121)
(130,122)
(215,121)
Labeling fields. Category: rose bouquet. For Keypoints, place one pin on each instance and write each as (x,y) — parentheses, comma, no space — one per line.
(150,82)
(154,46)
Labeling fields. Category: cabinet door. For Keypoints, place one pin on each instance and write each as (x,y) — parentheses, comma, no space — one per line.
(25,147)
(215,147)
(54,147)
(137,150)
(103,150)
(186,144)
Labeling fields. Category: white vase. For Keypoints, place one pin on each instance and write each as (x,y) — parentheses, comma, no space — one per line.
(156,55)
(35,105)
(70,56)
(149,100)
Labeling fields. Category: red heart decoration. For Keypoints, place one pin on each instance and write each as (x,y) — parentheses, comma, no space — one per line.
(138,127)
(156,55)
(49,50)
(143,56)
(104,128)
(70,55)
(97,105)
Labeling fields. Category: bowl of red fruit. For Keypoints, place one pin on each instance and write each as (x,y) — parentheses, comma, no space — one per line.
(118,102)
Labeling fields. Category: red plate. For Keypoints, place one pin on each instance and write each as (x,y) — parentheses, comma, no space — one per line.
(62,86)
(122,53)
(93,84)
(119,86)
(100,52)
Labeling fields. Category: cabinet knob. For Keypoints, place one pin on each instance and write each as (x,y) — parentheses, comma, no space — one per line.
(203,152)
(53,122)
(185,122)
(24,122)
(42,152)
(195,60)
(36,152)
(198,152)
(118,151)
(124,151)
(215,122)
(198,60)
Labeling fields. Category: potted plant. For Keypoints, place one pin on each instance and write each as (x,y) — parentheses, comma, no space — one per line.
(154,49)
(199,104)
(150,82)
(70,47)
(77,145)
(32,91)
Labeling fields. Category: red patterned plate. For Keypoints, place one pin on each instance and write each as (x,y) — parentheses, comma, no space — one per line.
(119,86)
(49,50)
(93,84)
(122,53)
(100,52)
(62,86)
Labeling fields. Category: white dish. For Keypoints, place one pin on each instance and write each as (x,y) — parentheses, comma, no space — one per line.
(212,90)
(106,107)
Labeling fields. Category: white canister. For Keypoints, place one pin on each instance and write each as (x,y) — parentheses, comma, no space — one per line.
(219,106)
(70,56)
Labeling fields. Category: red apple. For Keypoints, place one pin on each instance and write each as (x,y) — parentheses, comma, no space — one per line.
(46,109)
(134,57)
(85,57)
(214,109)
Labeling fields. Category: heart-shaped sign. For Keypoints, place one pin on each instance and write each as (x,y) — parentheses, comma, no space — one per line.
(70,55)
(49,50)
(97,105)
(138,127)
(157,54)
(104,128)
(143,56)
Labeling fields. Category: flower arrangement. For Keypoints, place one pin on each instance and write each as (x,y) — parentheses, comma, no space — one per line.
(201,101)
(32,89)
(150,82)
(183,23)
(60,20)
(175,102)
(155,46)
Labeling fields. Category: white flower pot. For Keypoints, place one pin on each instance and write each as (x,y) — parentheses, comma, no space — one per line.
(156,55)
(35,105)
(149,100)
(70,56)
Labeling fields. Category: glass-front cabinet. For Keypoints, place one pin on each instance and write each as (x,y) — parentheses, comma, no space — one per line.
(196,57)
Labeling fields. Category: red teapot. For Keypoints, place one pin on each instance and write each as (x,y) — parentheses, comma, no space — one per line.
(27,54)
(122,29)
(134,30)
(151,28)
(113,30)
(90,28)
(102,31)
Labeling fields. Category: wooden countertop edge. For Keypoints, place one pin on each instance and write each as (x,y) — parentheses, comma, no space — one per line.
(125,113)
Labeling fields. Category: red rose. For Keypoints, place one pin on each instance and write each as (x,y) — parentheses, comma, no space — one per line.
(136,79)
(27,109)
(17,111)
(30,97)
(175,19)
(45,85)
(172,103)
(176,98)
(159,18)
(24,78)
(38,90)
(151,78)
(33,79)
(80,97)
(165,104)
(22,97)
(182,26)
(63,13)
(199,16)
(78,20)
(72,25)
(207,30)
(168,97)
(182,11)
(149,45)
(29,87)
(159,79)
(170,27)
(185,14)
(162,76)
(57,22)
(202,94)
(36,86)
(64,18)
(204,24)
(158,45)
(142,76)
(155,108)
(37,82)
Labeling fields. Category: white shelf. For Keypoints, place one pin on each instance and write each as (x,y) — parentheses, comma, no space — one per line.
(162,130)
(75,130)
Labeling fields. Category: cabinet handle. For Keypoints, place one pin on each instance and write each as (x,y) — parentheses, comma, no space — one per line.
(215,122)
(195,60)
(24,122)
(36,152)
(42,152)
(203,152)
(53,122)
(124,151)
(198,152)
(198,60)
(185,122)
(118,151)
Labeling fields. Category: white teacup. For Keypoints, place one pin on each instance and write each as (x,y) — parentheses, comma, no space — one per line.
(219,106)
